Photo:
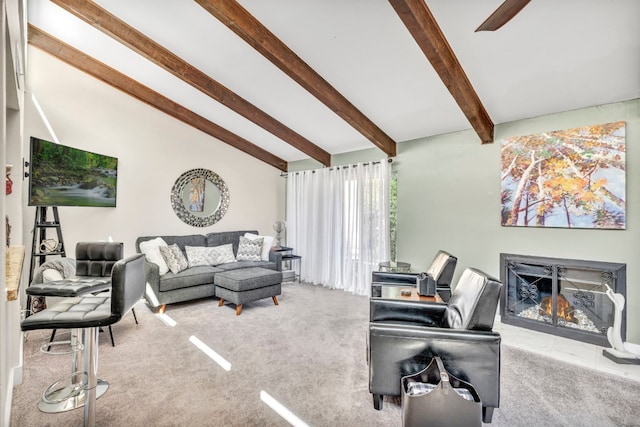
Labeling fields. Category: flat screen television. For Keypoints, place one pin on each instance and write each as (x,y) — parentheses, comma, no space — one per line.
(65,176)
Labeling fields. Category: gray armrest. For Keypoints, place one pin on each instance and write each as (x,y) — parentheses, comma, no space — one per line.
(276,256)
(152,277)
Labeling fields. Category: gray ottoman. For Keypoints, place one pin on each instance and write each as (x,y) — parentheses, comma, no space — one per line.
(247,285)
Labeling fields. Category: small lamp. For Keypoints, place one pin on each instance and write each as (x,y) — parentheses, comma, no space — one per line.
(279,227)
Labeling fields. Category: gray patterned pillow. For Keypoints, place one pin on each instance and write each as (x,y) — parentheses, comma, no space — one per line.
(174,258)
(200,255)
(249,250)
(223,254)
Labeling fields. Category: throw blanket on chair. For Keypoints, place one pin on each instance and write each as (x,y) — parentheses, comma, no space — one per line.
(65,266)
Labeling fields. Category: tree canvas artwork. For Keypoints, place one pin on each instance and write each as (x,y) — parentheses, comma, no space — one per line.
(572,178)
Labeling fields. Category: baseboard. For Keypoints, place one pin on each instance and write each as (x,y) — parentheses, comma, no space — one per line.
(14,374)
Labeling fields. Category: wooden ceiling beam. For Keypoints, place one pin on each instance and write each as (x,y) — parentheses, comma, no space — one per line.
(418,19)
(245,25)
(138,42)
(91,66)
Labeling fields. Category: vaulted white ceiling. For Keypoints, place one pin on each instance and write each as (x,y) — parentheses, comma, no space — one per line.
(553,56)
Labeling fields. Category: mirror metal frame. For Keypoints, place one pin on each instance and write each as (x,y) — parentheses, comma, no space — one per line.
(178,204)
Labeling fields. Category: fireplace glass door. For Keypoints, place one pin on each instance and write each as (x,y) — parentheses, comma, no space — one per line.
(559,296)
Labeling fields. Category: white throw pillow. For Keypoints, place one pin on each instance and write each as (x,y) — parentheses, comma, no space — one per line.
(151,251)
(267,243)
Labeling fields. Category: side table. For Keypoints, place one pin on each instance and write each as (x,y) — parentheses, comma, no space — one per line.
(396,293)
(292,263)
(394,267)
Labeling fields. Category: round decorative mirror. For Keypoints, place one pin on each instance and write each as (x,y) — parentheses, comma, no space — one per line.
(200,197)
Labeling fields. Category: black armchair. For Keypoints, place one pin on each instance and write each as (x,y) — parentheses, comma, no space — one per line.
(441,271)
(405,335)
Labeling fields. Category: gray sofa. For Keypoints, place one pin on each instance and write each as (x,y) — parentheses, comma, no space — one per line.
(195,282)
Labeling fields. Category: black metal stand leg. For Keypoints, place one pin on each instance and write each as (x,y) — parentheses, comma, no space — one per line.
(53,335)
(113,344)
(133,311)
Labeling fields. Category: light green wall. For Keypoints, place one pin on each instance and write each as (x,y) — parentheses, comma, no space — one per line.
(449,198)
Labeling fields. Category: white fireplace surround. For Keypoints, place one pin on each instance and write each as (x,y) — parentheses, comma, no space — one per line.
(564,349)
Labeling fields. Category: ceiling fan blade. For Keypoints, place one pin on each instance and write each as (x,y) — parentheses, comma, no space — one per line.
(502,15)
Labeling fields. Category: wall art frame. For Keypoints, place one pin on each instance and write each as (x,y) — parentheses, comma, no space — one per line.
(573,178)
(184,187)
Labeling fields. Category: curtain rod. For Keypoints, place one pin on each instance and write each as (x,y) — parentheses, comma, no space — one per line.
(390,160)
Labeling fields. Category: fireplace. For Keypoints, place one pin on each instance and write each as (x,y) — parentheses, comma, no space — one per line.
(563,297)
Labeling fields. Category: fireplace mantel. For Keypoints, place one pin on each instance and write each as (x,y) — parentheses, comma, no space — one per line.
(565,297)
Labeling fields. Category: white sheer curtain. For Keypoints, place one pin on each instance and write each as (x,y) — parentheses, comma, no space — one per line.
(338,221)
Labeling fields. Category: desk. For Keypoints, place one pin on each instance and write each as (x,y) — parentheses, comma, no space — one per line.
(395,293)
(13,272)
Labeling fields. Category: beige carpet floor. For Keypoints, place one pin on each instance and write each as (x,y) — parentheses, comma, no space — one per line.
(308,353)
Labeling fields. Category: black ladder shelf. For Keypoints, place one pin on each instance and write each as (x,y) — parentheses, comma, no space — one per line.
(39,253)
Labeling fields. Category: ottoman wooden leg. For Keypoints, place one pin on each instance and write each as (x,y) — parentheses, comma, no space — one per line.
(221,302)
(238,309)
(275,300)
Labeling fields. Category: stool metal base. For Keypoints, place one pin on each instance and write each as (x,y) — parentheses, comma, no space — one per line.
(71,396)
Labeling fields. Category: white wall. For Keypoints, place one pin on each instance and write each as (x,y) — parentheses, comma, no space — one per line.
(11,102)
(449,198)
(153,150)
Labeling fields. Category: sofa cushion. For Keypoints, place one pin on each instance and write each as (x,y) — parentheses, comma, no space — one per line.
(226,237)
(188,240)
(174,258)
(246,264)
(249,250)
(194,276)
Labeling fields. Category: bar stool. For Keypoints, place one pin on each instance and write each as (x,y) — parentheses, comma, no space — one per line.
(90,313)
(94,262)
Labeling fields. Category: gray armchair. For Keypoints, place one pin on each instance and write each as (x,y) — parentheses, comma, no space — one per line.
(405,335)
(441,271)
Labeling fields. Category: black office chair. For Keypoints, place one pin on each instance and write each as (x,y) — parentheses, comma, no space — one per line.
(405,335)
(90,313)
(440,271)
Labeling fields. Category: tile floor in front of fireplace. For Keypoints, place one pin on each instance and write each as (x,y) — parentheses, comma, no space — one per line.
(567,350)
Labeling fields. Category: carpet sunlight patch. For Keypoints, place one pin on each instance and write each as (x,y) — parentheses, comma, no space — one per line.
(166,319)
(212,354)
(289,416)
